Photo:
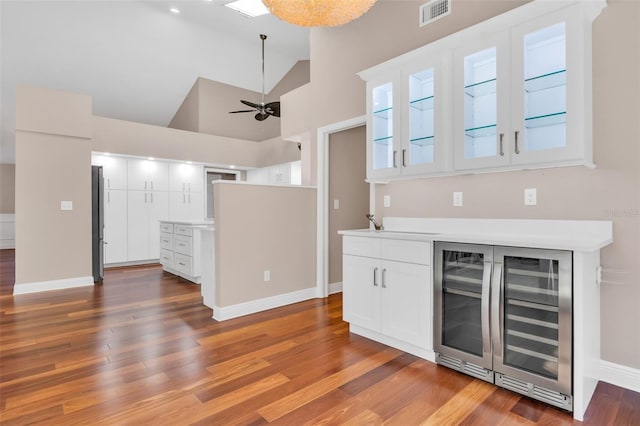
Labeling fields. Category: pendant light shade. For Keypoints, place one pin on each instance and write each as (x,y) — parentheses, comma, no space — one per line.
(318,13)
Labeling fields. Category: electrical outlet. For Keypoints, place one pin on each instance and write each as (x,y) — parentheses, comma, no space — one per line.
(267,276)
(387,200)
(457,199)
(530,197)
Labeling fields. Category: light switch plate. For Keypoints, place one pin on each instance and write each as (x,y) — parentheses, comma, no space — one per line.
(530,197)
(66,205)
(387,200)
(267,276)
(336,204)
(457,199)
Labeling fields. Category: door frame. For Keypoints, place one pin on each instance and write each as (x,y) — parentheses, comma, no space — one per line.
(322,223)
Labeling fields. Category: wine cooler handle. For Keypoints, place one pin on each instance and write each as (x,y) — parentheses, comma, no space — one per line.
(375,273)
(486,290)
(496,310)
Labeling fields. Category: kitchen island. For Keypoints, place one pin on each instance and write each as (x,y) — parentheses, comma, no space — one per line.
(181,247)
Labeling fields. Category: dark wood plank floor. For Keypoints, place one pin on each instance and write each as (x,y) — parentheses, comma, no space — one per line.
(143,349)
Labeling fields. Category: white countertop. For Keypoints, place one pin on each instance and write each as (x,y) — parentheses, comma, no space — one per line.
(575,235)
(190,222)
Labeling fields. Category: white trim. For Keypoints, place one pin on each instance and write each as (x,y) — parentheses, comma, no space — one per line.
(335,288)
(52,285)
(322,236)
(7,231)
(620,375)
(423,353)
(222,313)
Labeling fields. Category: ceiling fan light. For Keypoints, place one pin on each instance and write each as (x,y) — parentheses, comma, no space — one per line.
(318,13)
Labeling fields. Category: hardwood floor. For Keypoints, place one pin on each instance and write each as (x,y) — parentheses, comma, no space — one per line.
(141,348)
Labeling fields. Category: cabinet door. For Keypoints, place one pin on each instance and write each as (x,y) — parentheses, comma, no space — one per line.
(280,174)
(158,175)
(178,208)
(423,116)
(114,170)
(185,177)
(195,206)
(361,291)
(383,129)
(138,174)
(115,226)
(138,225)
(158,210)
(545,91)
(406,302)
(481,111)
(258,176)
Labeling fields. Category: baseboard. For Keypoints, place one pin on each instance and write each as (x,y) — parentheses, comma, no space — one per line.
(7,244)
(52,285)
(335,288)
(222,313)
(620,375)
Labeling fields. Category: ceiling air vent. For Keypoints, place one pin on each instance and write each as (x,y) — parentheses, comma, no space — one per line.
(434,10)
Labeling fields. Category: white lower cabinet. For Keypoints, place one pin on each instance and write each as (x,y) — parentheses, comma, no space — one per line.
(145,210)
(180,252)
(387,299)
(115,226)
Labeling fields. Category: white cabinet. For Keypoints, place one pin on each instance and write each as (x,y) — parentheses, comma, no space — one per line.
(144,212)
(387,291)
(114,170)
(279,174)
(115,226)
(510,93)
(186,205)
(181,249)
(147,175)
(186,198)
(185,177)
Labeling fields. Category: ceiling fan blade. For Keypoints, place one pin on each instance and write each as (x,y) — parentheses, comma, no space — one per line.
(261,117)
(273,108)
(244,110)
(251,104)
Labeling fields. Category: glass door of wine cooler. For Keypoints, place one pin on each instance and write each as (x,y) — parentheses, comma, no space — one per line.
(532,331)
(462,287)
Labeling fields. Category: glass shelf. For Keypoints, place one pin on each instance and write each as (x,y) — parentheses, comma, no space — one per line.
(546,120)
(475,132)
(423,141)
(423,104)
(386,113)
(482,88)
(383,140)
(546,81)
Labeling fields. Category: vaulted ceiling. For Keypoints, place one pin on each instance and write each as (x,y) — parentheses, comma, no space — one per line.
(135,58)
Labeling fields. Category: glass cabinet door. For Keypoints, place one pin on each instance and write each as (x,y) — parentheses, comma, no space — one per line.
(382,143)
(421,119)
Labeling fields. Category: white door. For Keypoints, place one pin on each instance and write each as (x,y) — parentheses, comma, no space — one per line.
(158,210)
(178,207)
(115,226)
(361,291)
(406,302)
(138,225)
(138,174)
(158,175)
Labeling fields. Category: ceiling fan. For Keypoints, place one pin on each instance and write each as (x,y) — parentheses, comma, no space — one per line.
(264,109)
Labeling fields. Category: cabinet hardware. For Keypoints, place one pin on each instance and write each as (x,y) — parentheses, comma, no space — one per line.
(184,199)
(384,276)
(484,309)
(496,313)
(108,197)
(375,273)
(395,165)
(404,161)
(501,145)
(517,150)
(145,185)
(108,183)
(189,198)
(145,198)
(152,185)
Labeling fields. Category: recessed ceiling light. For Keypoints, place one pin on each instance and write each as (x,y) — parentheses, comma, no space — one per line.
(232,166)
(251,8)
(174,10)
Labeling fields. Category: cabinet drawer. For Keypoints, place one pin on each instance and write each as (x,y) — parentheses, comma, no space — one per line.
(406,251)
(166,258)
(166,227)
(183,264)
(361,246)
(183,230)
(166,241)
(182,244)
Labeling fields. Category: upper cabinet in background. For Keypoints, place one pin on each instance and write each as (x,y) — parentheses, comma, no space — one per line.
(509,93)
(148,175)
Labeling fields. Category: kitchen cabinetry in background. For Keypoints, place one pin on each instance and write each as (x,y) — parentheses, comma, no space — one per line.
(114,170)
(180,251)
(145,210)
(387,291)
(147,175)
(279,174)
(509,93)
(186,200)
(115,226)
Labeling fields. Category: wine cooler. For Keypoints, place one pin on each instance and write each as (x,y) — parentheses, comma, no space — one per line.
(503,314)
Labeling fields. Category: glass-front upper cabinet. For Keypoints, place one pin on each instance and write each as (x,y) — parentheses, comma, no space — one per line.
(383,135)
(542,87)
(481,105)
(424,121)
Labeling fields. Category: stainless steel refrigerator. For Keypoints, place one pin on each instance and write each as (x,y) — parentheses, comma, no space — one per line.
(504,315)
(97,223)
